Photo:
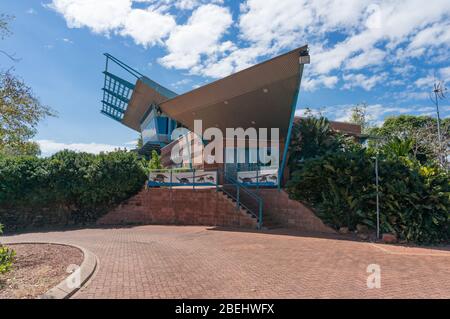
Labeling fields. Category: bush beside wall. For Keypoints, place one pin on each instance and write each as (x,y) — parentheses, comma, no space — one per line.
(414,200)
(67,188)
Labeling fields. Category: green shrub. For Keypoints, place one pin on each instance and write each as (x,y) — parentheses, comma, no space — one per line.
(66,188)
(414,200)
(155,161)
(6,256)
(6,259)
(313,137)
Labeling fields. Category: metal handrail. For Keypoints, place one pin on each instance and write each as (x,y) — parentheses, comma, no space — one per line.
(239,195)
(123,65)
(239,199)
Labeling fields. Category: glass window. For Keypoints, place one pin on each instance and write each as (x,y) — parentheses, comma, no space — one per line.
(163,125)
(149,132)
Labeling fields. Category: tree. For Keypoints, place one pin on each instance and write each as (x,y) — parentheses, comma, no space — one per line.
(313,137)
(20,109)
(6,32)
(139,142)
(421,130)
(155,161)
(4,26)
(20,113)
(359,116)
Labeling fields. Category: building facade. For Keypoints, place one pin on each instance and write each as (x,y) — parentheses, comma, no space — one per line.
(263,96)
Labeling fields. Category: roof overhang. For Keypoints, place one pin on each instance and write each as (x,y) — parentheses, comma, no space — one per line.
(262,96)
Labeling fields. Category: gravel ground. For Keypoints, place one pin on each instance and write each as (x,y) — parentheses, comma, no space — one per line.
(38,268)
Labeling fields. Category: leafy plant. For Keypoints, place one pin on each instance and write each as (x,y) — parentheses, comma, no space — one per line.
(421,131)
(313,137)
(7,256)
(155,161)
(66,188)
(341,187)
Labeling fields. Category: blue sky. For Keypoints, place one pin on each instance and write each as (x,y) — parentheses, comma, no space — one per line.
(384,53)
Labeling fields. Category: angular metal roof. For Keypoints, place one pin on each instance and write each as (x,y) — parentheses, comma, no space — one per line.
(261,96)
(126,102)
(145,94)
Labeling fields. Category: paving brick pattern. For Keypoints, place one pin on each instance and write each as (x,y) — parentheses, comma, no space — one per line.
(200,262)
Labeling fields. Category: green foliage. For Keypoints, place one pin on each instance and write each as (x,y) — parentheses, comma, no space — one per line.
(6,256)
(313,137)
(337,185)
(359,116)
(398,148)
(421,131)
(4,25)
(20,113)
(155,161)
(140,142)
(6,259)
(414,200)
(66,188)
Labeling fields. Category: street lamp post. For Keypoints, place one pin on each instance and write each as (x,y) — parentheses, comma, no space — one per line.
(378,193)
(439,94)
(377,180)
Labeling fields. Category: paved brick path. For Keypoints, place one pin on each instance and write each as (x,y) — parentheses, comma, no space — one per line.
(196,262)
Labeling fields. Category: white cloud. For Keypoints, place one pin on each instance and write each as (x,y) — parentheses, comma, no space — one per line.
(426,81)
(360,80)
(372,57)
(200,36)
(100,15)
(49,147)
(349,35)
(147,27)
(311,84)
(445,74)
(181,83)
(67,40)
(433,36)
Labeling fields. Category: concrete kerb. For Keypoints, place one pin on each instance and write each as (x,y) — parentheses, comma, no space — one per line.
(64,289)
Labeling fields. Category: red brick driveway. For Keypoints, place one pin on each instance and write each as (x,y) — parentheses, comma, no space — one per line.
(199,262)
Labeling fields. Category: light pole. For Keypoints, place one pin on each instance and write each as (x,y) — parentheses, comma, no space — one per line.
(439,94)
(377,180)
(378,193)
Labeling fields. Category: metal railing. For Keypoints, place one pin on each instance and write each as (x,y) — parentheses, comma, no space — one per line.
(182,177)
(243,196)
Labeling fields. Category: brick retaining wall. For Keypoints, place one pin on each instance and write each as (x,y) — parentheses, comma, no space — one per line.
(207,207)
(179,207)
(287,213)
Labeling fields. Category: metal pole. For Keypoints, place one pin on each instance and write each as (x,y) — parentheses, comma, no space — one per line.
(260,214)
(438,125)
(217,180)
(378,194)
(257,178)
(237,196)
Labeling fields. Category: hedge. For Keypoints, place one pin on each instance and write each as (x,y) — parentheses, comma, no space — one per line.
(67,188)
(414,201)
